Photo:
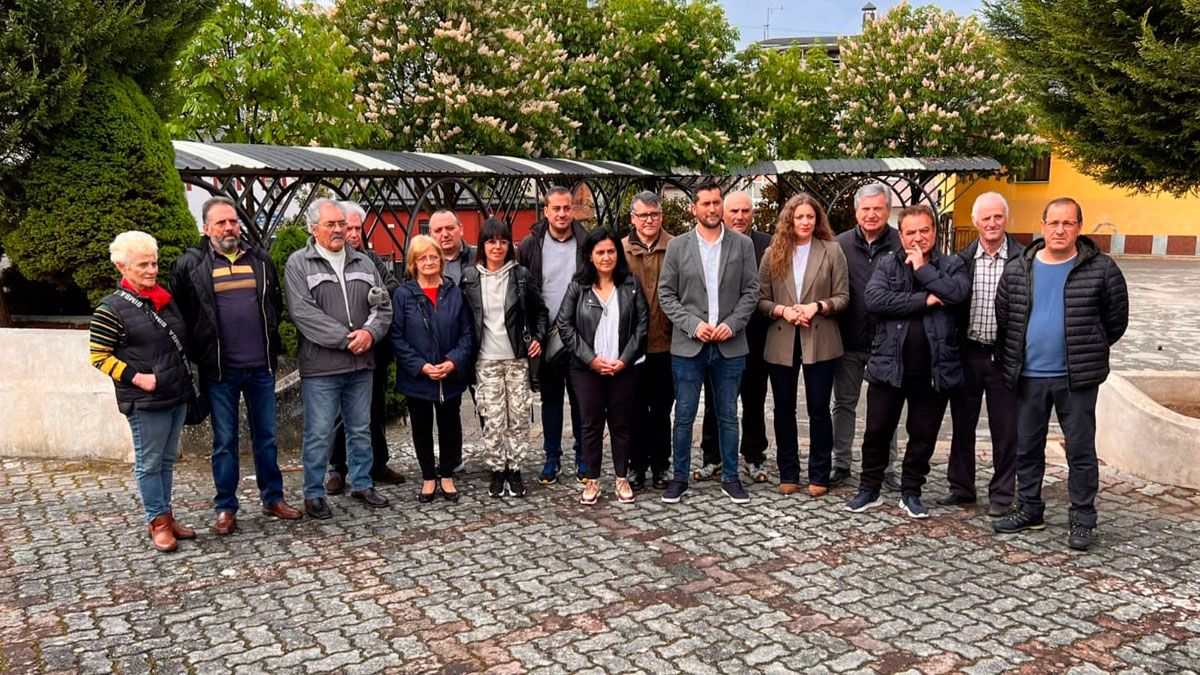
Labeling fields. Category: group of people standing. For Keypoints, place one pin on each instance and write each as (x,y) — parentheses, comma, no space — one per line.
(631,331)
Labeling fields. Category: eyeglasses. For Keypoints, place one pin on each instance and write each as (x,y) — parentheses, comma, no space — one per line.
(1061,225)
(648,215)
(333,224)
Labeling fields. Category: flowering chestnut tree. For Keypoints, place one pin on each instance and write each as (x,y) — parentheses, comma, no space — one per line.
(461,76)
(925,82)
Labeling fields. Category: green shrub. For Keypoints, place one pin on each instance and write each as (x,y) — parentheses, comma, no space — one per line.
(110,169)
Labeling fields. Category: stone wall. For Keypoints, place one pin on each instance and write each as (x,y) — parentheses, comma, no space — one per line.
(54,404)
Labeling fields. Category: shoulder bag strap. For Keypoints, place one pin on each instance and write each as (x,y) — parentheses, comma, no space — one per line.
(149,310)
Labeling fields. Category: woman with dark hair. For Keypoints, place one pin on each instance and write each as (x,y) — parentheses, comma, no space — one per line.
(603,323)
(431,331)
(510,322)
(804,282)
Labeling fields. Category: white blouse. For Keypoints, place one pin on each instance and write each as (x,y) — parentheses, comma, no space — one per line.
(799,266)
(607,342)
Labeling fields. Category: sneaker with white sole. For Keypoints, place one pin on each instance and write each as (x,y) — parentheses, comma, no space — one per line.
(864,500)
(912,505)
(516,486)
(674,491)
(734,490)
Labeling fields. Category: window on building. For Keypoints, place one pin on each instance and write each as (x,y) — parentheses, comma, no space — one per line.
(1038,173)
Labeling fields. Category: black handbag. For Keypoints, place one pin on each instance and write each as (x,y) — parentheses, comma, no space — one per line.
(198,405)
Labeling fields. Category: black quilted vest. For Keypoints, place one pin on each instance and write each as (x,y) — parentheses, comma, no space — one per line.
(146,348)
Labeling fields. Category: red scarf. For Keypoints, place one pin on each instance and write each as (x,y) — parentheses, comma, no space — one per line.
(157,295)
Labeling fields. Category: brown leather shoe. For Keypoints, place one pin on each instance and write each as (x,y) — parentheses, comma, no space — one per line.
(226,523)
(181,531)
(388,476)
(788,488)
(160,534)
(335,484)
(817,490)
(283,511)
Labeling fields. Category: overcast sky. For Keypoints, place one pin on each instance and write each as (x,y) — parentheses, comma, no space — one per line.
(800,18)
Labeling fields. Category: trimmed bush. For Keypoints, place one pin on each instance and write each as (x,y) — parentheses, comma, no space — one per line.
(108,170)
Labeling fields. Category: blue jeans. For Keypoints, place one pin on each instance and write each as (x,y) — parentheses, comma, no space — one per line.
(325,397)
(155,447)
(554,384)
(726,377)
(258,386)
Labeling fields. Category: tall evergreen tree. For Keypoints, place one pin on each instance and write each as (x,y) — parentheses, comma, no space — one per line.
(1116,82)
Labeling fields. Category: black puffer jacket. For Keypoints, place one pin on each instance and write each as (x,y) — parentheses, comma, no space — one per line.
(896,294)
(146,347)
(535,320)
(1096,312)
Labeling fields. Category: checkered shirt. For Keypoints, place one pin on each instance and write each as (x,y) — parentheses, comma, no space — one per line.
(982,325)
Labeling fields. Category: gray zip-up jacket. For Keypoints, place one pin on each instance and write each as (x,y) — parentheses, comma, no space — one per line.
(324,316)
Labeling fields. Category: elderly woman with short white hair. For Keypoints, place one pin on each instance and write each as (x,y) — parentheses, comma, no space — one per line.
(137,337)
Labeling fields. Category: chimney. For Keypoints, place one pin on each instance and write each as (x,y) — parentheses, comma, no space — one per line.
(868,14)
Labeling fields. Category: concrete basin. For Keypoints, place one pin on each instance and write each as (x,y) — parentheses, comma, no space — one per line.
(1137,433)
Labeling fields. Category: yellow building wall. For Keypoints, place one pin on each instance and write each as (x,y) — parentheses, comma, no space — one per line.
(1106,210)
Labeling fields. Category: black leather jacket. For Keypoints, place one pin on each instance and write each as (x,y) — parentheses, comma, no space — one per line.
(535,319)
(580,315)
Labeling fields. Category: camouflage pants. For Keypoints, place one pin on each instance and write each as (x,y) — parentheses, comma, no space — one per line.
(504,401)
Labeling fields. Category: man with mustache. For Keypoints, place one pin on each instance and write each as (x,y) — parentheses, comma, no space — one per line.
(229,295)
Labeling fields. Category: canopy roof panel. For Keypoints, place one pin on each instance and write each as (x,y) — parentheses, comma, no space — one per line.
(215,159)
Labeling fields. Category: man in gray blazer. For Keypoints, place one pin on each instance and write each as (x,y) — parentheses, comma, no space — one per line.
(708,288)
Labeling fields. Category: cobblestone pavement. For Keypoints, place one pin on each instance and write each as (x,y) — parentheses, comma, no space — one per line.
(784,584)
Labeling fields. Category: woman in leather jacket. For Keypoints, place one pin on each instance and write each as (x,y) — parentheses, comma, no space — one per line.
(603,323)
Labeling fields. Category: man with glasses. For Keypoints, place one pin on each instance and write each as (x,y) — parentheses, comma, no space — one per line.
(380,471)
(645,250)
(1056,359)
(341,308)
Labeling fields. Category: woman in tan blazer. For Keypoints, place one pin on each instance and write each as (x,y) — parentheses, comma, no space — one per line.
(803,282)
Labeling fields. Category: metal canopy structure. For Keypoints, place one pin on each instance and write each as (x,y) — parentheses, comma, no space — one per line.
(934,181)
(267,180)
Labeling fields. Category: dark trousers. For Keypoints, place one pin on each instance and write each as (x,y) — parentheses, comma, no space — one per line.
(605,398)
(450,435)
(982,375)
(555,384)
(1077,416)
(753,392)
(818,388)
(379,446)
(652,404)
(926,407)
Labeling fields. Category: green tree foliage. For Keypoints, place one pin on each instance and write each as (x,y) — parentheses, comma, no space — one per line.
(785,95)
(1117,84)
(656,77)
(470,76)
(288,240)
(262,71)
(110,170)
(924,82)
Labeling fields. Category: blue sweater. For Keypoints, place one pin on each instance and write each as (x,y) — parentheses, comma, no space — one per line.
(1046,338)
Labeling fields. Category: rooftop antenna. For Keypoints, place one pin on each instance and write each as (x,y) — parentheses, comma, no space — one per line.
(767,25)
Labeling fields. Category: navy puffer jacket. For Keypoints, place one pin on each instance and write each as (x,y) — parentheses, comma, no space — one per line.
(1096,312)
(897,293)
